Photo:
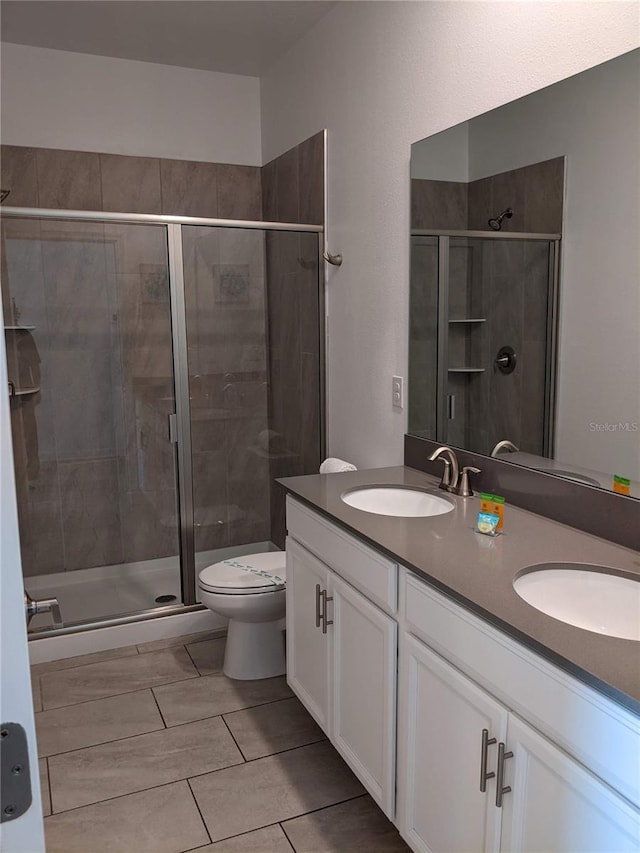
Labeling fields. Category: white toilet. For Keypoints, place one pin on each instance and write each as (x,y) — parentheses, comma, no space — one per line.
(250,592)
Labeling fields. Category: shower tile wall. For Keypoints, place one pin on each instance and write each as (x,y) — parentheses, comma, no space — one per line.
(95,473)
(293,191)
(503,281)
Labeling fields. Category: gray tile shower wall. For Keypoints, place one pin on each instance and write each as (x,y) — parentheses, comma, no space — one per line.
(80,180)
(97,295)
(293,191)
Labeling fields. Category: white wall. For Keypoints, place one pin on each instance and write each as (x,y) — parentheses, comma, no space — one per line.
(380,76)
(57,99)
(593,119)
(443,157)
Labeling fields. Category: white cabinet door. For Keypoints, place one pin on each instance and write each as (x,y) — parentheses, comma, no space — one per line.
(441,717)
(364,658)
(307,646)
(556,805)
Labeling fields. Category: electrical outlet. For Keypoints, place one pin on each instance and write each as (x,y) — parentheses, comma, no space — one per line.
(397,392)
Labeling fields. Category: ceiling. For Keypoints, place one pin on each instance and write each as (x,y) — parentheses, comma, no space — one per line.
(236,37)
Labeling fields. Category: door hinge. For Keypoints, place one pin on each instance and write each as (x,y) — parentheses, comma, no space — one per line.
(15,778)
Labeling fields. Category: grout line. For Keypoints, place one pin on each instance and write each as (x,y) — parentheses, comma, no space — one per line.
(188,780)
(233,737)
(284,832)
(155,699)
(167,727)
(123,693)
(46,762)
(140,734)
(117,797)
(197,804)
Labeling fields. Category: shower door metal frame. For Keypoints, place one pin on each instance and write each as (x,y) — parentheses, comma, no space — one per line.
(552,322)
(184,469)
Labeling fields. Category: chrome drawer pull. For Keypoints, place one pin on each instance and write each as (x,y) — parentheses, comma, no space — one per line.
(486,743)
(501,789)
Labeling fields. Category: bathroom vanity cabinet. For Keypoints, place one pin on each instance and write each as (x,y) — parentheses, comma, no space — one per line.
(382,660)
(342,648)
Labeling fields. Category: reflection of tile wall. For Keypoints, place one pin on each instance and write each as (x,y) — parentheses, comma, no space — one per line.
(293,191)
(504,281)
(535,193)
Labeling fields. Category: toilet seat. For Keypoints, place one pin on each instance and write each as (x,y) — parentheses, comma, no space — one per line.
(247,575)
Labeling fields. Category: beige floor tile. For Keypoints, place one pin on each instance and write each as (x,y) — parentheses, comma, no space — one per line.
(100,721)
(82,660)
(216,694)
(124,766)
(182,640)
(36,692)
(162,820)
(272,728)
(273,789)
(271,839)
(353,826)
(44,787)
(112,677)
(208,655)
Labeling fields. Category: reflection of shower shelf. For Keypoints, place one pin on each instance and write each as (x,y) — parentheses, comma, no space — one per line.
(466,370)
(23,392)
(19,328)
(470,320)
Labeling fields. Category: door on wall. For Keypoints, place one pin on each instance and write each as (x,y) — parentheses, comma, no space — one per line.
(23,833)
(91,384)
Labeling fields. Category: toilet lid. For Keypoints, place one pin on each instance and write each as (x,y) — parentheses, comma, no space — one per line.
(251,573)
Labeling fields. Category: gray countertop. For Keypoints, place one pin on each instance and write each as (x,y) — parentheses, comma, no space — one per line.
(478,571)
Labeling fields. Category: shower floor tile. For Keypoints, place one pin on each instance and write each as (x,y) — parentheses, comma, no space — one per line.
(155,749)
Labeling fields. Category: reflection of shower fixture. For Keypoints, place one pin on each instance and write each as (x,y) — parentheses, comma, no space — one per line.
(496,223)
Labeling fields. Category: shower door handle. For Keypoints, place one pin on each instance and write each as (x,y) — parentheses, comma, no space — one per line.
(43,605)
(173,428)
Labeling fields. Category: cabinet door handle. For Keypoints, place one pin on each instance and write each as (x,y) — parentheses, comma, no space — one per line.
(486,743)
(325,621)
(318,612)
(501,789)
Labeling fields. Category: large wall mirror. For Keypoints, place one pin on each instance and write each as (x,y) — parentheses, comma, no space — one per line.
(525,280)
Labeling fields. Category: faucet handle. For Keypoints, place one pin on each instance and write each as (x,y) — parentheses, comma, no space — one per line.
(465,490)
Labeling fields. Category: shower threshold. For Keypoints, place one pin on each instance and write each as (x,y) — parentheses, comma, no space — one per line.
(102,592)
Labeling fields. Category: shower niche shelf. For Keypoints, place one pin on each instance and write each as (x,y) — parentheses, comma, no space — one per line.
(466,370)
(19,328)
(460,320)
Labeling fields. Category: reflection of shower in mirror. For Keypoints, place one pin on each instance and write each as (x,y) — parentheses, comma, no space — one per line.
(496,223)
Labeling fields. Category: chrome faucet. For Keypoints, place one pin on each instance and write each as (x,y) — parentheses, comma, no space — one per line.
(449,480)
(505,444)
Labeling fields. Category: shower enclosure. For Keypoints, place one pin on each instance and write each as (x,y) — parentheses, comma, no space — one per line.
(163,372)
(483,317)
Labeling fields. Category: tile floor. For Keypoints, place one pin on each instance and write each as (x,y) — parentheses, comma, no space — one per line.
(151,749)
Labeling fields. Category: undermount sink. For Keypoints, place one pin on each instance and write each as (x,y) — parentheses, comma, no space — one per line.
(598,599)
(402,501)
(572,475)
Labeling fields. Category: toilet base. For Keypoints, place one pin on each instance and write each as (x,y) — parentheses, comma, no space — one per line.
(254,650)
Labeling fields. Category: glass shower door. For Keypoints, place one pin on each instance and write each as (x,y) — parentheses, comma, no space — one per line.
(89,349)
(253,339)
(498,359)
